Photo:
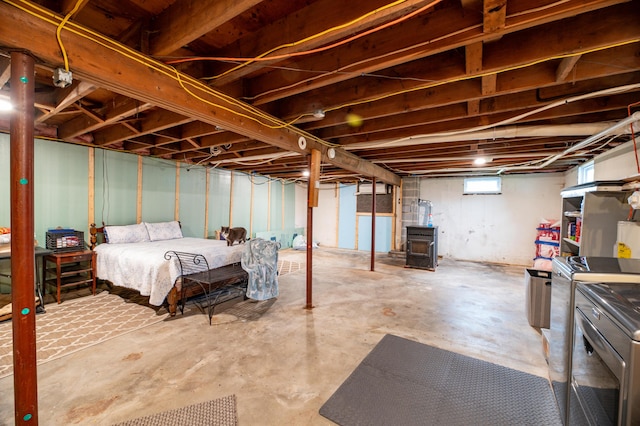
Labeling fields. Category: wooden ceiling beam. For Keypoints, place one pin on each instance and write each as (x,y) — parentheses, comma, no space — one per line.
(473,57)
(123,107)
(464,122)
(185,21)
(565,67)
(152,122)
(222,139)
(402,125)
(66,6)
(448,29)
(197,129)
(151,82)
(495,15)
(539,93)
(540,75)
(67,96)
(303,25)
(489,83)
(5,71)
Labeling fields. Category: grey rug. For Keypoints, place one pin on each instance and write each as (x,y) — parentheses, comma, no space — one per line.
(217,412)
(402,382)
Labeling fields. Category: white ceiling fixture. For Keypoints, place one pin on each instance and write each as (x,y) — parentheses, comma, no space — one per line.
(5,105)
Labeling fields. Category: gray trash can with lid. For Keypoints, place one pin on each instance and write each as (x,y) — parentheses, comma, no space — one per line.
(538,297)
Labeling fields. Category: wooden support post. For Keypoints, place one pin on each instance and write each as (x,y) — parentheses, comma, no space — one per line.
(312,201)
(22,248)
(373,224)
(309,304)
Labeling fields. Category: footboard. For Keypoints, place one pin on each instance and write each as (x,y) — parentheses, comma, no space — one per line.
(197,278)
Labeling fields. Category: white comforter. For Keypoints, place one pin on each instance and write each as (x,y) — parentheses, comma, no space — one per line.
(142,266)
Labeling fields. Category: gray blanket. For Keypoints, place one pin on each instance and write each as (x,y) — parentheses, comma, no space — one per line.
(260,260)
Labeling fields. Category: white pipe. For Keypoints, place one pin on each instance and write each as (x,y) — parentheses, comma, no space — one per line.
(477,133)
(256,158)
(511,132)
(592,139)
(461,158)
(633,117)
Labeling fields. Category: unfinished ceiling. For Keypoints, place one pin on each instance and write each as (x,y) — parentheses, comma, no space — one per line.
(402,88)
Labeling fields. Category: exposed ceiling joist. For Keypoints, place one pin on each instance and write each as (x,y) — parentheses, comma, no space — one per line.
(147,80)
(358,76)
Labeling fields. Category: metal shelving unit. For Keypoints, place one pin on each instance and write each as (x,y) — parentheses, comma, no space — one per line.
(599,205)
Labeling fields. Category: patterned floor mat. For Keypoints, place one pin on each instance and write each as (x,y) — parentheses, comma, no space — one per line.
(77,324)
(218,412)
(402,382)
(287,266)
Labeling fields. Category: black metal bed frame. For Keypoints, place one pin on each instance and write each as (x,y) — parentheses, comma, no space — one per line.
(213,283)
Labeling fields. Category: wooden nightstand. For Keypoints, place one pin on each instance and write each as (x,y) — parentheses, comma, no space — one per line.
(71,269)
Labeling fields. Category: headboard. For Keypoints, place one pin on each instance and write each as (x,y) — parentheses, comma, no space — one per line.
(97,235)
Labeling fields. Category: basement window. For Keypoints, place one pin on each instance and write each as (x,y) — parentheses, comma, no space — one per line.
(483,185)
(586,173)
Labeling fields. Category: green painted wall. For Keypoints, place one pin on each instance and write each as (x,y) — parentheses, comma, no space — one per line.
(193,187)
(116,177)
(61,192)
(290,205)
(219,199)
(241,197)
(260,203)
(275,215)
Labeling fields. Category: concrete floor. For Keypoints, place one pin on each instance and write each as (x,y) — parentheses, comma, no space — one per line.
(283,366)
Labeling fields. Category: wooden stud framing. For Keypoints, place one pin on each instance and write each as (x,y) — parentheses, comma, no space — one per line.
(139,191)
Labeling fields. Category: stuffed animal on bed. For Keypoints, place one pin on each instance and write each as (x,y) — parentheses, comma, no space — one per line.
(233,234)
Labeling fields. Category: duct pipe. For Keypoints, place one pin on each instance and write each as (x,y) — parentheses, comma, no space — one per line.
(569,130)
(592,139)
(634,117)
(511,132)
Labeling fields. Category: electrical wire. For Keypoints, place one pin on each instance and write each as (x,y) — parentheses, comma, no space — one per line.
(263,56)
(59,31)
(260,116)
(184,80)
(518,117)
(470,77)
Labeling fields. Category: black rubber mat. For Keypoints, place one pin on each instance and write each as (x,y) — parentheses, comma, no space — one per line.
(402,382)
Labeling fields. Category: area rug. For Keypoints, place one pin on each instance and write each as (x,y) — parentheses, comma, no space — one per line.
(218,412)
(77,324)
(402,382)
(287,266)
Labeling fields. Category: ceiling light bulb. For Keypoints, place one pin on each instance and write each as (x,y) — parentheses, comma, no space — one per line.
(305,173)
(480,161)
(5,105)
(318,113)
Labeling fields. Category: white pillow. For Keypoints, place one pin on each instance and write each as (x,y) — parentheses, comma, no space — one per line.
(164,230)
(126,234)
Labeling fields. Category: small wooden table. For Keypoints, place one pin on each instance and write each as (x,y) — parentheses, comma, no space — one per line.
(71,269)
(39,253)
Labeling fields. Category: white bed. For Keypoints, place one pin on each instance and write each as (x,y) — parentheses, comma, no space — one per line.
(141,265)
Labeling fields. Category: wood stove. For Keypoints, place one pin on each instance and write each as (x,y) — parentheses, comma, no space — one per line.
(422,247)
